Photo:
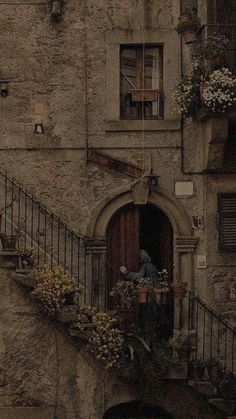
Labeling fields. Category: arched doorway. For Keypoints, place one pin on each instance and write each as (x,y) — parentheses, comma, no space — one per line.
(136,227)
(135,410)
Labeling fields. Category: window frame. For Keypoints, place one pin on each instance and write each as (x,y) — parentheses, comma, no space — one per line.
(171,64)
(140,51)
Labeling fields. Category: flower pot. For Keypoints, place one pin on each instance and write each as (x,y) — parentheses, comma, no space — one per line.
(184,353)
(161,295)
(8,243)
(179,289)
(144,95)
(185,17)
(144,295)
(190,37)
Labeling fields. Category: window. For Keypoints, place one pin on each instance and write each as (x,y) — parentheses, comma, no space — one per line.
(141,82)
(227,216)
(222,18)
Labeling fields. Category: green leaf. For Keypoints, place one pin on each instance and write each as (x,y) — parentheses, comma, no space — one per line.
(131,350)
(145,344)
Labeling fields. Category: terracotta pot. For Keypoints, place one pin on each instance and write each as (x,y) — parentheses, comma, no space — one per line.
(179,289)
(185,17)
(161,295)
(190,37)
(8,243)
(144,295)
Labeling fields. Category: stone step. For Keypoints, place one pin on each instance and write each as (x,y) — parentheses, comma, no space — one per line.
(226,406)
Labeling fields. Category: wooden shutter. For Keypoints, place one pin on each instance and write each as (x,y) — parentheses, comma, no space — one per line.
(122,245)
(227,218)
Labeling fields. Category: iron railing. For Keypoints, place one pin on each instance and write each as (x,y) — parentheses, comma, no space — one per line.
(38,229)
(214,337)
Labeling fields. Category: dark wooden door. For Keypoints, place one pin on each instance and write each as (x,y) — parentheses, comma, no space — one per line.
(122,244)
(134,228)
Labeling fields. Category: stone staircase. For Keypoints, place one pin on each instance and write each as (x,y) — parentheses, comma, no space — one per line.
(56,244)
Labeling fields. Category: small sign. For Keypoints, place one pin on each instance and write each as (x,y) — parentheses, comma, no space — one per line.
(201,262)
(184,188)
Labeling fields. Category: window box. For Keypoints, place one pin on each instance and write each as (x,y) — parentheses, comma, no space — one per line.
(144,95)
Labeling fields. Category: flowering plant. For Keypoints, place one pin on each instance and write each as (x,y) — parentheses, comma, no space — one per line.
(186,95)
(162,279)
(193,24)
(144,283)
(218,93)
(107,343)
(214,45)
(124,293)
(52,287)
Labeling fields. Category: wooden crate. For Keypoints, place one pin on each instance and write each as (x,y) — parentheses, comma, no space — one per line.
(145,95)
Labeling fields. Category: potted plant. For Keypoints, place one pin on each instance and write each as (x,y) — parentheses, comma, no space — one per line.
(53,286)
(182,344)
(189,29)
(214,47)
(185,17)
(8,242)
(218,94)
(213,369)
(26,259)
(145,290)
(161,292)
(179,289)
(124,295)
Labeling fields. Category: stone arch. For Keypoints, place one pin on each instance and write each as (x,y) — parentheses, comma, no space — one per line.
(105,210)
(96,251)
(135,408)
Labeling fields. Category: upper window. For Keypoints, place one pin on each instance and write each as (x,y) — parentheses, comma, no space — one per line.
(227,217)
(141,82)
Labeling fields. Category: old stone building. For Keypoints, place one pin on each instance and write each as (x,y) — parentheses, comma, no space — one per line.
(87,123)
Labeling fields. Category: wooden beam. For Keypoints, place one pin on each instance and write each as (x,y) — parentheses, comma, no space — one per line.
(114,164)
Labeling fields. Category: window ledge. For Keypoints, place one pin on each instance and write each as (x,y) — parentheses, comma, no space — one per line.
(148,125)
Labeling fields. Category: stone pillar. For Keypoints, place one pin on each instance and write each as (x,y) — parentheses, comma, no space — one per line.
(95,277)
(185,247)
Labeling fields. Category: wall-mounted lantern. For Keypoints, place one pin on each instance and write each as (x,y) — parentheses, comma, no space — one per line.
(4,87)
(56,9)
(39,110)
(152,179)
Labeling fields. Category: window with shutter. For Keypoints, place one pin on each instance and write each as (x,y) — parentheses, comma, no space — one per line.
(227,217)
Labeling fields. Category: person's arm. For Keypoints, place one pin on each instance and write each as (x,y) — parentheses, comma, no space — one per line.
(130,276)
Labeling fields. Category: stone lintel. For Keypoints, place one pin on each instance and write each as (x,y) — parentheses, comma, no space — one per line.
(186,244)
(96,245)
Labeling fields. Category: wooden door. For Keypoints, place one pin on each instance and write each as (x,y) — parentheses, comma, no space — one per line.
(134,228)
(122,245)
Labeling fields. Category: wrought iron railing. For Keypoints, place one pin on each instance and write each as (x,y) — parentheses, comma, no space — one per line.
(214,337)
(37,228)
